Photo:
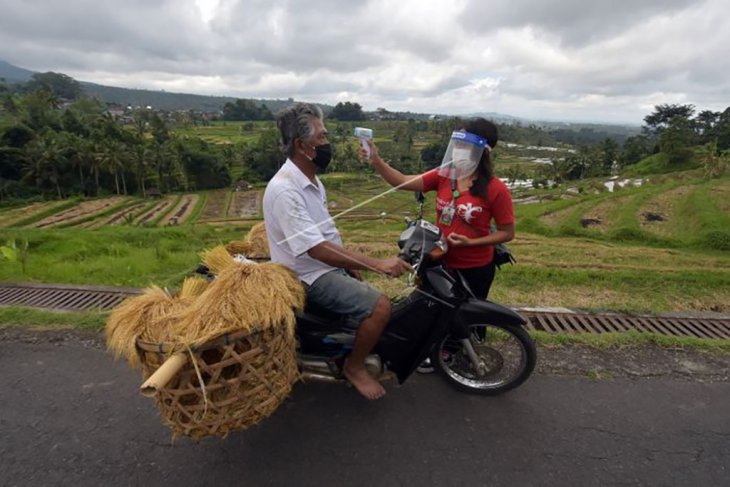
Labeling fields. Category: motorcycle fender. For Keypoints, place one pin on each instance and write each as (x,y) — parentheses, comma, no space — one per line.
(476,311)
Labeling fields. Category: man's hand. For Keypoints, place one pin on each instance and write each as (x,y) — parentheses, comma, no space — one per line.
(355,274)
(392,267)
(457,240)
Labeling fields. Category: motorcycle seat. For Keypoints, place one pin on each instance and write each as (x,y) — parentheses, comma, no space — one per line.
(322,315)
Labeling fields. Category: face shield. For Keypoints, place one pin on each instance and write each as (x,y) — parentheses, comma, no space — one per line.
(462,155)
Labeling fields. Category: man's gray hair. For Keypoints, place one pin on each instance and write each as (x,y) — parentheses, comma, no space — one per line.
(295,121)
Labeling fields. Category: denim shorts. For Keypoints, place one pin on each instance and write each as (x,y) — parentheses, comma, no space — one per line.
(339,292)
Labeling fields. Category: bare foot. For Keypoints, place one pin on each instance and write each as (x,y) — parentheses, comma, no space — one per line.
(363,382)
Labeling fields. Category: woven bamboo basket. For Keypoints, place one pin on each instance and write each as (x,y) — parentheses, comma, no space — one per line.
(245,377)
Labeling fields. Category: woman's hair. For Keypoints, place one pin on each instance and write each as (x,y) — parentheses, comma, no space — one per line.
(485,170)
(295,122)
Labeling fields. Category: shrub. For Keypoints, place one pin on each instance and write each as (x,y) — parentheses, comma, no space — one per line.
(715,239)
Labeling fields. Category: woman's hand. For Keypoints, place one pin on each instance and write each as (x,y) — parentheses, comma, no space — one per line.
(458,240)
(374,155)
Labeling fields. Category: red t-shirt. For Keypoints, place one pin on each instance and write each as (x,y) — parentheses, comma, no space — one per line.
(472,218)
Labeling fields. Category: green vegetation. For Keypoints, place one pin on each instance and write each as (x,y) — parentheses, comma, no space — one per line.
(35,318)
(659,243)
(629,339)
(116,256)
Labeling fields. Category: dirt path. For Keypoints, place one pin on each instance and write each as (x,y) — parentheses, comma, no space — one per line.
(156,210)
(83,209)
(181,212)
(244,204)
(8,217)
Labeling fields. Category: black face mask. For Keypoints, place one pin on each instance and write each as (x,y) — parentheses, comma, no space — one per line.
(323,156)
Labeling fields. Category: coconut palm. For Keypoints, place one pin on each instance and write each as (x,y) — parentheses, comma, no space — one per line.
(44,158)
(114,161)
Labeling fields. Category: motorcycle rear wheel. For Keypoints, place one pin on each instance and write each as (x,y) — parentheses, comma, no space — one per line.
(507,357)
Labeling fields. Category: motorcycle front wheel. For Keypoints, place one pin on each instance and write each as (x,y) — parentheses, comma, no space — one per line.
(506,357)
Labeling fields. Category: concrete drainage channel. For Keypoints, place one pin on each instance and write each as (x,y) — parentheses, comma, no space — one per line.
(80,298)
(704,326)
(64,297)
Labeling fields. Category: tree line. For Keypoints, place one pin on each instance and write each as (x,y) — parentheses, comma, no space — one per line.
(56,143)
(680,133)
(56,148)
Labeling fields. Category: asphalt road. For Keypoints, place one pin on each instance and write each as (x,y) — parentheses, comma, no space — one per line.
(70,415)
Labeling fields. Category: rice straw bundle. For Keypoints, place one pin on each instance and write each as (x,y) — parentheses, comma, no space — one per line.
(259,242)
(138,317)
(150,316)
(244,297)
(217,259)
(220,356)
(193,287)
(239,247)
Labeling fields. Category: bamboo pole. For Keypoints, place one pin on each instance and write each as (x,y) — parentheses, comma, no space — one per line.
(163,374)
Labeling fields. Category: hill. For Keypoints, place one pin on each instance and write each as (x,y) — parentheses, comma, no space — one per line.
(139,97)
(14,74)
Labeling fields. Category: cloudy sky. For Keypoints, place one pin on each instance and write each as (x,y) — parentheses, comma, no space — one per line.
(577,60)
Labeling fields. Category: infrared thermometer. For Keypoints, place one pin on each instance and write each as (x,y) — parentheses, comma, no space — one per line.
(364,135)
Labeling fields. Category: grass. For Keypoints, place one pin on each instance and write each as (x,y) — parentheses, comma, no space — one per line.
(712,223)
(227,204)
(699,217)
(629,339)
(560,263)
(202,198)
(116,256)
(657,164)
(31,317)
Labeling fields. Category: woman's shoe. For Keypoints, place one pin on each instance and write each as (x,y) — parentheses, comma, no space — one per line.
(426,367)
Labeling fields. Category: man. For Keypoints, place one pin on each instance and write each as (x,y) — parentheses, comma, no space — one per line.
(303,237)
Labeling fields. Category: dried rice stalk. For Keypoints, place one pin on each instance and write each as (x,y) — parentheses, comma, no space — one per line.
(139,317)
(244,297)
(238,247)
(193,287)
(259,242)
(217,259)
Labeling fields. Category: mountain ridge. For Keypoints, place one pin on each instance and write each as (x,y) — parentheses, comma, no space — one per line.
(173,101)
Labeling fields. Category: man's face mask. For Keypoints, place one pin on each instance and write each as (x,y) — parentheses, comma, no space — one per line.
(322,157)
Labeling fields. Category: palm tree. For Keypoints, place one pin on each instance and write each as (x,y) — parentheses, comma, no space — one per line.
(140,156)
(44,158)
(114,161)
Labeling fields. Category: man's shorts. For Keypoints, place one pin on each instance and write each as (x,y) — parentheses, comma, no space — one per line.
(339,292)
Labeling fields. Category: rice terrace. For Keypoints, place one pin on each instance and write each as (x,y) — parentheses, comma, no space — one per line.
(149,335)
(609,218)
(656,245)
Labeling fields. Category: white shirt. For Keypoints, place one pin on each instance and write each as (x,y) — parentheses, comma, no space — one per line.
(296,219)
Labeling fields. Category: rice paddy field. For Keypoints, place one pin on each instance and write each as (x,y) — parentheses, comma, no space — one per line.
(663,246)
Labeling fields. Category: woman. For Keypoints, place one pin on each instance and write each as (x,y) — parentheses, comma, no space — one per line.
(468,198)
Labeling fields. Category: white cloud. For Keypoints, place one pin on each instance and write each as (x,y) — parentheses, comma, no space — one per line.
(567,59)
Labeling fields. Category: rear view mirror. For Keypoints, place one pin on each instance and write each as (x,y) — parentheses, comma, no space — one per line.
(420,197)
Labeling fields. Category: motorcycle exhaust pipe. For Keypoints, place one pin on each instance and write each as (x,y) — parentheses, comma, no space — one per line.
(313,377)
(316,366)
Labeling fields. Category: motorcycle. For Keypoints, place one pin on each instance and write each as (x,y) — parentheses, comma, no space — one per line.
(477,345)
